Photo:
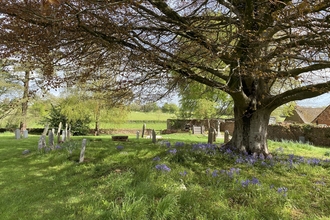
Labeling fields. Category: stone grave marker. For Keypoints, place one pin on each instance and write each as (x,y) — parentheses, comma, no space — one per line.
(59,133)
(137,135)
(153,136)
(301,139)
(42,143)
(82,152)
(63,135)
(25,133)
(51,139)
(210,136)
(226,139)
(17,133)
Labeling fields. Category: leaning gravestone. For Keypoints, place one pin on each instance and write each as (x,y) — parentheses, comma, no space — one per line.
(17,133)
(82,152)
(143,130)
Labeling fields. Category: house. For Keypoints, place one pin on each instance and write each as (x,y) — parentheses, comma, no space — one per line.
(323,118)
(307,115)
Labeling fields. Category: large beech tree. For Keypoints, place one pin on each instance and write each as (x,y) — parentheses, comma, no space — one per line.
(245,48)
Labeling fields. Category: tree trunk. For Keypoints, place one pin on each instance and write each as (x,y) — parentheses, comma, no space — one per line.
(25,99)
(97,130)
(250,132)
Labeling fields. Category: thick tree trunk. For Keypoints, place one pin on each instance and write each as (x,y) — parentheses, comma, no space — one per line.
(250,132)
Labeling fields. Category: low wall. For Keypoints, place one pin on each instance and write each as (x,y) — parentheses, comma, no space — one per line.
(318,136)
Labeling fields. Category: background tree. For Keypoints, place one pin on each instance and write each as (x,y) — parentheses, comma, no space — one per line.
(169,108)
(259,42)
(194,95)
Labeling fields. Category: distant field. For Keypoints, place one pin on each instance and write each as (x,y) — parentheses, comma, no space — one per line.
(135,120)
(150,116)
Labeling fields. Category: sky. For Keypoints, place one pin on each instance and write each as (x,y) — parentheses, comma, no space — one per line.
(319,101)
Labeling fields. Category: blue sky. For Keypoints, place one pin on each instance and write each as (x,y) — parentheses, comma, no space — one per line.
(319,101)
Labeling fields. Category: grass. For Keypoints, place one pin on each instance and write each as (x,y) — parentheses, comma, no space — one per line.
(141,180)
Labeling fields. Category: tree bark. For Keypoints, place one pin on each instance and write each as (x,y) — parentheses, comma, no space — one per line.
(250,132)
(25,99)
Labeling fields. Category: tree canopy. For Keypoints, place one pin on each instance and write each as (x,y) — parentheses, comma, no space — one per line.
(241,47)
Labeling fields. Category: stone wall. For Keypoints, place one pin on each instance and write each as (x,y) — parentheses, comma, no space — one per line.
(318,136)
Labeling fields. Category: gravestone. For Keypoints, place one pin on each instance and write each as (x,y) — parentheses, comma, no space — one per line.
(210,136)
(17,133)
(63,135)
(301,139)
(226,139)
(153,136)
(44,133)
(25,134)
(42,143)
(59,133)
(143,130)
(82,152)
(137,135)
(51,139)
(197,130)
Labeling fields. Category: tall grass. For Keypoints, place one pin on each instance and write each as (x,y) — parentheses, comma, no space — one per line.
(180,177)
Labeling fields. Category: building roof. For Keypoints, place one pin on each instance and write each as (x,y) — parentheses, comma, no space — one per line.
(304,114)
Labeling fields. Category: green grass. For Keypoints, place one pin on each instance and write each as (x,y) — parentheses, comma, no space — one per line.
(124,184)
(150,116)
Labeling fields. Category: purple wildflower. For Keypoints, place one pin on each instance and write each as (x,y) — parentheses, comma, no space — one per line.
(282,190)
(156,159)
(215,173)
(163,167)
(179,144)
(120,147)
(172,151)
(184,173)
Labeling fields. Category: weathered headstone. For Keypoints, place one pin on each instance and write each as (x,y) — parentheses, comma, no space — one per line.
(59,133)
(82,152)
(63,135)
(42,143)
(153,136)
(197,130)
(210,136)
(25,134)
(51,139)
(44,133)
(226,139)
(137,135)
(143,130)
(301,139)
(66,132)
(17,133)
